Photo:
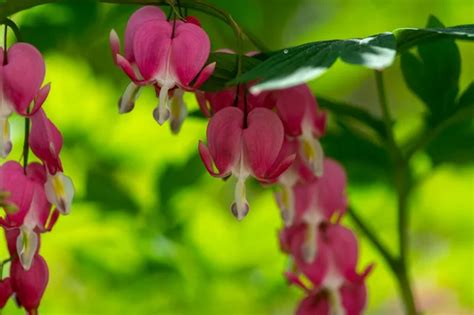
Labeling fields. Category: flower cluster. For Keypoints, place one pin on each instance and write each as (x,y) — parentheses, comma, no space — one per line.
(272,137)
(168,55)
(33,195)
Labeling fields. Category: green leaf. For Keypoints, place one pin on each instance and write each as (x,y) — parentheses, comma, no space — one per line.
(226,70)
(409,37)
(467,97)
(296,65)
(363,160)
(453,145)
(434,74)
(353,112)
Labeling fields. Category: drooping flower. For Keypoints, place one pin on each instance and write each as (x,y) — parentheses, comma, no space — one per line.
(137,19)
(46,143)
(22,72)
(244,146)
(336,287)
(316,200)
(29,285)
(299,112)
(28,195)
(349,299)
(168,55)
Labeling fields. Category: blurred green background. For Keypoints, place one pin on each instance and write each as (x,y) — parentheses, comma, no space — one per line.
(150,231)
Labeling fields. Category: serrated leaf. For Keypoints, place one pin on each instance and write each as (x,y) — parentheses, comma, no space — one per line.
(226,70)
(434,74)
(296,65)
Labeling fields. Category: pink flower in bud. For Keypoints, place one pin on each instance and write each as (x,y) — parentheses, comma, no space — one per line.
(244,146)
(29,285)
(21,75)
(46,143)
(5,291)
(169,55)
(302,119)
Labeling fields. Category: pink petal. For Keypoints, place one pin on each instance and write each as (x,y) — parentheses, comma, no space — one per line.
(193,20)
(189,52)
(316,270)
(286,158)
(314,304)
(152,44)
(263,140)
(344,248)
(207,160)
(354,298)
(205,74)
(29,286)
(23,75)
(221,99)
(332,189)
(128,69)
(114,42)
(46,141)
(224,134)
(202,102)
(39,100)
(295,280)
(36,172)
(138,19)
(21,189)
(5,291)
(292,105)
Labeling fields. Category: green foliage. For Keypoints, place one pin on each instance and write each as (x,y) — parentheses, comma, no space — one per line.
(291,66)
(434,76)
(296,65)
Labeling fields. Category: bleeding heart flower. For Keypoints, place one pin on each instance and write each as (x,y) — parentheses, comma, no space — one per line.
(332,258)
(302,119)
(245,146)
(21,190)
(348,298)
(169,55)
(5,291)
(137,19)
(317,200)
(21,75)
(29,285)
(46,143)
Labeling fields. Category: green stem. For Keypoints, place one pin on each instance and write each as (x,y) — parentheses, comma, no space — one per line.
(26,144)
(402,178)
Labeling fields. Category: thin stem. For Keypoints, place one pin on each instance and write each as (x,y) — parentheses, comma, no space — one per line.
(5,38)
(26,144)
(402,178)
(13,27)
